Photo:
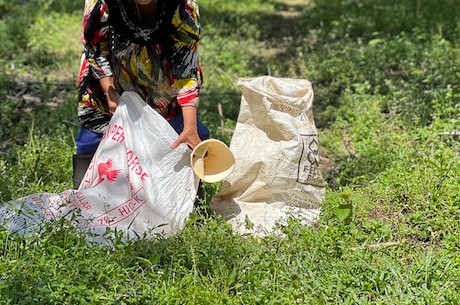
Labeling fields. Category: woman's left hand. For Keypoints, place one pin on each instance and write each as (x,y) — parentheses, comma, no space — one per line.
(189,137)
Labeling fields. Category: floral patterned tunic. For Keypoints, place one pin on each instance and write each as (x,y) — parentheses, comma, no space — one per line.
(158,61)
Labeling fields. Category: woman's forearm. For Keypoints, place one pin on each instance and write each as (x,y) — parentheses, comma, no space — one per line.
(189,114)
(106,83)
(112,96)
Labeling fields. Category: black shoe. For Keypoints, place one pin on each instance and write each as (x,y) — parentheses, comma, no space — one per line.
(80,165)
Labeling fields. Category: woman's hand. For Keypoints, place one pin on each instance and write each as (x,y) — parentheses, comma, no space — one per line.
(189,135)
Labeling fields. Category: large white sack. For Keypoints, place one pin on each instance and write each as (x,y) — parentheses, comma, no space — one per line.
(135,184)
(275,144)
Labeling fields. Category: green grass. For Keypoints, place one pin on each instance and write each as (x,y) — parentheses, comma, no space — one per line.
(385,75)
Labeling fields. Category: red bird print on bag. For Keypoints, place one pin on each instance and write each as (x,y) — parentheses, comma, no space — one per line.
(106,172)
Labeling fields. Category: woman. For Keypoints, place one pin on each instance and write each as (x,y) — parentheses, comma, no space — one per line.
(146,46)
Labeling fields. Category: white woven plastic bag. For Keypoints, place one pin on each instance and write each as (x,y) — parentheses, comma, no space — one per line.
(135,183)
(275,144)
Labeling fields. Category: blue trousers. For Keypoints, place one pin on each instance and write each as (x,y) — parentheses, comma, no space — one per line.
(88,141)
